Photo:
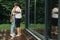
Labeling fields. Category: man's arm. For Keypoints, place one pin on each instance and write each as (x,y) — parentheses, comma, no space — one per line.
(56,12)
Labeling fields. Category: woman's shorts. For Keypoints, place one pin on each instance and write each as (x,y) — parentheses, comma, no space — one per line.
(54,21)
(17,22)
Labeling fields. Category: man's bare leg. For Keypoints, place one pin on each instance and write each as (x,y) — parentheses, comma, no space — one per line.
(19,31)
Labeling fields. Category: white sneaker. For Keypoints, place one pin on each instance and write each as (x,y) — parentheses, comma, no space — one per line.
(17,35)
(12,35)
(11,38)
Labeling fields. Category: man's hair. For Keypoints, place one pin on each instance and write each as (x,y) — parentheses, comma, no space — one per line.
(56,5)
(16,4)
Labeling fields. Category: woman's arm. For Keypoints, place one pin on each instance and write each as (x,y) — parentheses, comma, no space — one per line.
(16,12)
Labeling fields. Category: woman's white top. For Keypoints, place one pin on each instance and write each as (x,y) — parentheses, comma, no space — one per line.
(55,13)
(18,15)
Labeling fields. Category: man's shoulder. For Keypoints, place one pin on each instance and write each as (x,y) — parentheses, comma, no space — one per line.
(17,7)
(55,8)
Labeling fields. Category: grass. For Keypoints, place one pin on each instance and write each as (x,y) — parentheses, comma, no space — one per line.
(34,26)
(8,26)
(5,26)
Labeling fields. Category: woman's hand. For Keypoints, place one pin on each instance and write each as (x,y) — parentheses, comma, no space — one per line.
(11,19)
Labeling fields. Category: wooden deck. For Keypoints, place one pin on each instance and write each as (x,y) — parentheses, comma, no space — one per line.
(4,35)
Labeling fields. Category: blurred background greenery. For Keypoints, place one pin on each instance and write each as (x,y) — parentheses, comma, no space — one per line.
(7,5)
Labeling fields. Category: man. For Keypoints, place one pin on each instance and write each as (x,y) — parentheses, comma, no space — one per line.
(55,19)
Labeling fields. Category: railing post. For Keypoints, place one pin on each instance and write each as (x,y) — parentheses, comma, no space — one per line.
(27,13)
(59,21)
(48,8)
(46,19)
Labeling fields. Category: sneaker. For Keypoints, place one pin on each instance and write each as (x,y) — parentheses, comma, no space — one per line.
(12,35)
(17,35)
(11,38)
(56,33)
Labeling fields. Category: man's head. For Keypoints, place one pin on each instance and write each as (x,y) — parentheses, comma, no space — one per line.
(16,4)
(56,5)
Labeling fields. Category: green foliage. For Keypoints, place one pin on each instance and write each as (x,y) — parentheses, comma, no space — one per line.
(8,26)
(40,11)
(6,7)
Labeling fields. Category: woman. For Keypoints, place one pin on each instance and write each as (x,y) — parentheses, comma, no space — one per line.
(12,20)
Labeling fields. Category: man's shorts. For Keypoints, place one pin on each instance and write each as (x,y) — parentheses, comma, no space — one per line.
(54,21)
(17,22)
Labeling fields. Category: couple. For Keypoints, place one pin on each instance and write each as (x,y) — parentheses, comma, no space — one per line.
(15,19)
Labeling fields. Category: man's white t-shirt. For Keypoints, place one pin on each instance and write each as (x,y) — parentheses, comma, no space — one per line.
(54,15)
(18,15)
